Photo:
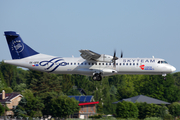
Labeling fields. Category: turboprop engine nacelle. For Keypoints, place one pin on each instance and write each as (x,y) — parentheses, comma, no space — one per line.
(105,58)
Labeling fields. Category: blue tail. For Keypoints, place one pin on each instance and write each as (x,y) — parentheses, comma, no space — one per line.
(17,47)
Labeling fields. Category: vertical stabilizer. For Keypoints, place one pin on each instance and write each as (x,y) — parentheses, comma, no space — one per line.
(17,47)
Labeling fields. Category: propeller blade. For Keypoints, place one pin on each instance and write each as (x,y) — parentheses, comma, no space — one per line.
(121,54)
(114,59)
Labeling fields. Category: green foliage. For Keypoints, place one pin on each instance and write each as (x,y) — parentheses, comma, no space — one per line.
(19,111)
(126,88)
(163,111)
(32,104)
(21,75)
(153,118)
(2,110)
(176,77)
(7,89)
(174,109)
(96,116)
(20,87)
(46,100)
(6,108)
(66,83)
(168,117)
(148,110)
(2,81)
(63,106)
(126,110)
(73,91)
(9,72)
(99,108)
(41,83)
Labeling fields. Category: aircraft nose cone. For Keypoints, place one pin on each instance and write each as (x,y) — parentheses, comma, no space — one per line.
(173,69)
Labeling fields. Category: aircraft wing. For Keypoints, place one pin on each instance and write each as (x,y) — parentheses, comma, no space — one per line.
(89,55)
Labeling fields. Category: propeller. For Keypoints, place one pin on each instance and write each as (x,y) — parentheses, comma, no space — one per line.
(114,59)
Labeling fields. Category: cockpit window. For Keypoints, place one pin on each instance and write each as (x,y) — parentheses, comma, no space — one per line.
(162,62)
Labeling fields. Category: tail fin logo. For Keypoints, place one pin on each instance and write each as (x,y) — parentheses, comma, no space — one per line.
(18,46)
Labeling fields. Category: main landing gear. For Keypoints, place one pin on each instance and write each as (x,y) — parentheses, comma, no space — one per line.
(97,77)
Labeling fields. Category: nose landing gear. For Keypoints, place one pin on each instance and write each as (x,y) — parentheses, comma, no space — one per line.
(164,75)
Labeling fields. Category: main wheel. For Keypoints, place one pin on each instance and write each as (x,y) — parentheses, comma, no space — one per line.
(97,77)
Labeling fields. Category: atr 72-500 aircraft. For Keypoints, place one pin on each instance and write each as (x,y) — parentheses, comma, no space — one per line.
(91,63)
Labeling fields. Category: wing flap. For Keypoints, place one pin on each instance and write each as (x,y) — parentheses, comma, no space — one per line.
(89,55)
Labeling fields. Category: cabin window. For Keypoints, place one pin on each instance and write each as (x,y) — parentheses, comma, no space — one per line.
(106,63)
(92,63)
(137,63)
(81,63)
(74,63)
(95,63)
(119,63)
(99,63)
(129,63)
(89,63)
(102,63)
(133,63)
(109,63)
(85,63)
(123,63)
(116,63)
(126,63)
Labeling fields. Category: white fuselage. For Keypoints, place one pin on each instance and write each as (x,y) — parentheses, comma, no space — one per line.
(47,63)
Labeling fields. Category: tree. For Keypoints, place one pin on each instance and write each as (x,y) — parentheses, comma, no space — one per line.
(126,110)
(174,109)
(21,75)
(126,89)
(63,106)
(155,86)
(7,89)
(2,81)
(20,87)
(9,72)
(176,77)
(47,99)
(73,91)
(66,83)
(41,83)
(148,110)
(84,82)
(33,105)
(100,108)
(2,110)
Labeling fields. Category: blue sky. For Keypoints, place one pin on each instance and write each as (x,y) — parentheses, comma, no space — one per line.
(139,28)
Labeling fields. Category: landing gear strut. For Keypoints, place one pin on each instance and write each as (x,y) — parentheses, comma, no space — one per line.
(164,75)
(97,77)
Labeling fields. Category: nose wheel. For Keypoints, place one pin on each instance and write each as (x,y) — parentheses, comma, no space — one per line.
(164,75)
